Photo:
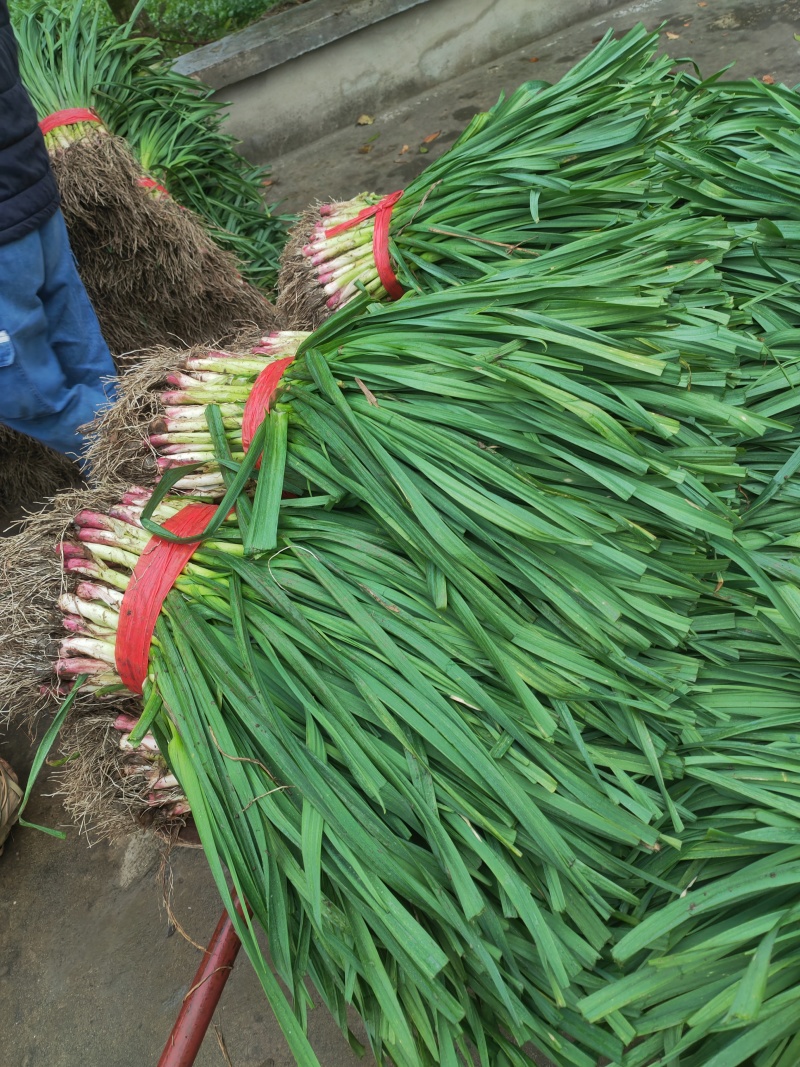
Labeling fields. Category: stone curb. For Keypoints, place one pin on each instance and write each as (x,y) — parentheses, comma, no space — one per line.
(277,39)
(296,76)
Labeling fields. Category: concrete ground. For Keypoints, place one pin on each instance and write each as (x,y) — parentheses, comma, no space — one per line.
(91,971)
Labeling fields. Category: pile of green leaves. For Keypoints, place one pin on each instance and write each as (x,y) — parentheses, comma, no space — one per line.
(497,739)
(69,57)
(492,721)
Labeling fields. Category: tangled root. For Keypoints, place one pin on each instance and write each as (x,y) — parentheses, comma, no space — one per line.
(151,268)
(31,581)
(302,302)
(100,794)
(118,450)
(30,472)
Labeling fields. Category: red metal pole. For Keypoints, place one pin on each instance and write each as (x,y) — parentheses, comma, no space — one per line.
(203,996)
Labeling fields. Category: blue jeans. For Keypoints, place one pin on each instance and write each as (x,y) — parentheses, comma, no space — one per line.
(53,358)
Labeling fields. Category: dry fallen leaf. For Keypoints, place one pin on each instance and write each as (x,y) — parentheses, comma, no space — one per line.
(403,150)
(365,120)
(768,79)
(673,36)
(268,181)
(534,59)
(367,393)
(702,3)
(431,137)
(364,148)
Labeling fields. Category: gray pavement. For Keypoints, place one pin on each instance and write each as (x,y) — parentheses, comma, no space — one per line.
(91,973)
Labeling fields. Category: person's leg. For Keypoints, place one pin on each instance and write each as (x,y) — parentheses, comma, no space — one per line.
(39,396)
(73,330)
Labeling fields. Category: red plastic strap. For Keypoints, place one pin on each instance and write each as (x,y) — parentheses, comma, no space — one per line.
(380,246)
(257,404)
(380,240)
(151,183)
(153,577)
(68,118)
(364,213)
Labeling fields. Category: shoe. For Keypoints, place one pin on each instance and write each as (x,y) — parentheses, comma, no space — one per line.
(10,799)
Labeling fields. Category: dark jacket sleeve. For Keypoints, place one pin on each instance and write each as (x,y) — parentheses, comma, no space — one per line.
(28,192)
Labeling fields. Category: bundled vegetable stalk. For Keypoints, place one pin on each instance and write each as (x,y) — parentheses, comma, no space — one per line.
(170,123)
(152,269)
(505,653)
(200,634)
(540,167)
(618,138)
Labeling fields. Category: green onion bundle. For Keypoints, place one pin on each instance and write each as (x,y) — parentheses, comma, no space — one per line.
(153,270)
(509,673)
(353,712)
(68,58)
(619,138)
(540,167)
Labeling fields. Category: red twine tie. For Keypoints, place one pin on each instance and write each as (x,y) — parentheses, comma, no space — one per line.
(153,577)
(68,117)
(380,240)
(257,404)
(151,183)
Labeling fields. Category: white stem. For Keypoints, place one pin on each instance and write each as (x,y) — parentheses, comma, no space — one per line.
(89,646)
(113,554)
(148,743)
(90,610)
